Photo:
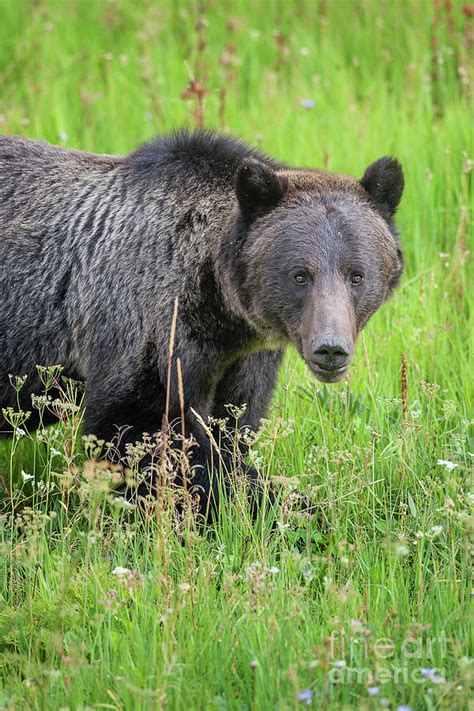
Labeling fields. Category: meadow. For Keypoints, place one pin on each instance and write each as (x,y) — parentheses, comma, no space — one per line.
(365,605)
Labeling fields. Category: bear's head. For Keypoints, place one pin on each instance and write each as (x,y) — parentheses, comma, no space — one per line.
(313,255)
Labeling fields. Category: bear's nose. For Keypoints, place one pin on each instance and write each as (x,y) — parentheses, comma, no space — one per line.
(330,355)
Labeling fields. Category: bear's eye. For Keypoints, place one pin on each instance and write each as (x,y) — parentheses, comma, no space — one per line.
(300,278)
(356,278)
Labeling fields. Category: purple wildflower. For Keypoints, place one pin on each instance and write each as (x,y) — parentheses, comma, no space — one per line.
(308,103)
(432,675)
(428,671)
(306,696)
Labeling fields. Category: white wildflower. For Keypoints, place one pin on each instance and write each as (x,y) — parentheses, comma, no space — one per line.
(449,466)
(120,501)
(402,549)
(121,572)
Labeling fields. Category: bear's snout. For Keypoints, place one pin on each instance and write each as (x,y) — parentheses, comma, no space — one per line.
(330,355)
(330,358)
(328,332)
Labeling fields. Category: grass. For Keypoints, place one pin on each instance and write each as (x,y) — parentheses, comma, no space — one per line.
(349,611)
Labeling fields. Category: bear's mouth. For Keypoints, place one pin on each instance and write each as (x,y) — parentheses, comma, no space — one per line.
(328,375)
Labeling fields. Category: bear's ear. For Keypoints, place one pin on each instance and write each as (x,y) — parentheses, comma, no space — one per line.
(384,181)
(258,187)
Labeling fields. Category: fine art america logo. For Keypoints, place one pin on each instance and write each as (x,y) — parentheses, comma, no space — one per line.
(397,663)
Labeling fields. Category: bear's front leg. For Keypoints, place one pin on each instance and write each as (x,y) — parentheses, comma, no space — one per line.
(122,408)
(250,382)
(216,465)
(126,399)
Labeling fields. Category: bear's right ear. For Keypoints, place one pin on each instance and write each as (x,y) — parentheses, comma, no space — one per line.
(384,181)
(258,187)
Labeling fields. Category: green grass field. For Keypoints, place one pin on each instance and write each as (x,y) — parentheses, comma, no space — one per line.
(367,608)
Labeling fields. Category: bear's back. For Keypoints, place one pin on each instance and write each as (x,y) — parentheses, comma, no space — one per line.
(16,151)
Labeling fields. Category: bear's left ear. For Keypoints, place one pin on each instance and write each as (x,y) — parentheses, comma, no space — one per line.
(258,187)
(384,181)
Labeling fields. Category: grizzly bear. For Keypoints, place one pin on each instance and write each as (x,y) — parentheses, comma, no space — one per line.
(95,249)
